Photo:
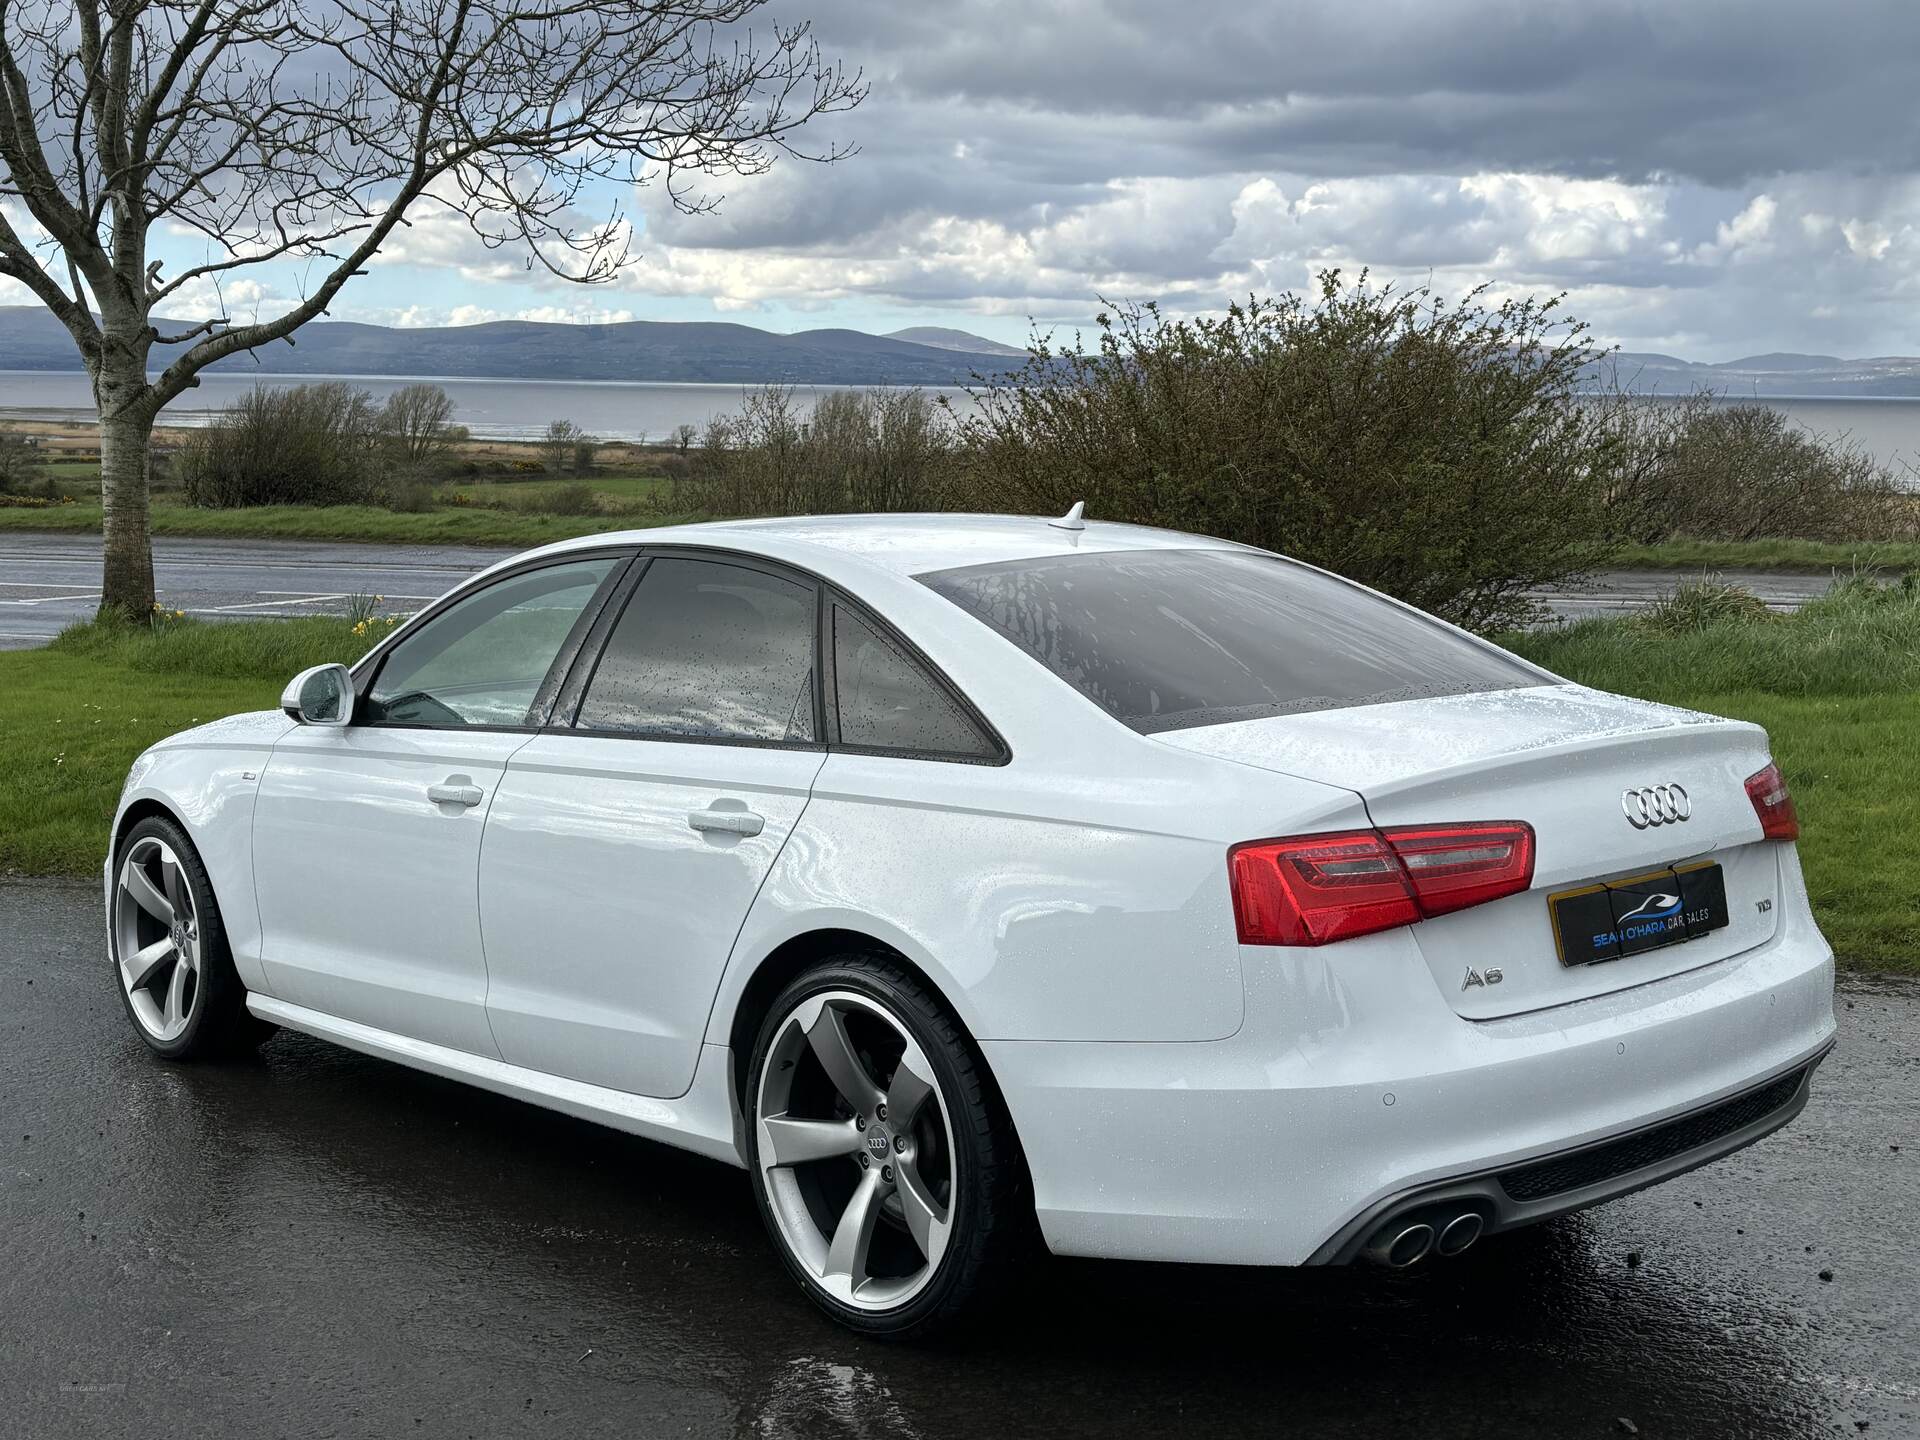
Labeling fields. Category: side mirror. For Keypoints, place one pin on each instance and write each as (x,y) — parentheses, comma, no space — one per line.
(320,696)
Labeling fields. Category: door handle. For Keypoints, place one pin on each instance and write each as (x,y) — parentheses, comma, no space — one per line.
(727,822)
(457,790)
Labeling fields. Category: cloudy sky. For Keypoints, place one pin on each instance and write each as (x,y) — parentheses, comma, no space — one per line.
(1710,178)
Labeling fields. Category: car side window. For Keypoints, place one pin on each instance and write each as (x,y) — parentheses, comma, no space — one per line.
(886,700)
(483,659)
(707,650)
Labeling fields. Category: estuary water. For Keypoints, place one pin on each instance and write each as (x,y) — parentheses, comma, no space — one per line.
(490,409)
(639,410)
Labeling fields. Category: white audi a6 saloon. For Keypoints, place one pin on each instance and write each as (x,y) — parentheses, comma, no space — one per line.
(959,875)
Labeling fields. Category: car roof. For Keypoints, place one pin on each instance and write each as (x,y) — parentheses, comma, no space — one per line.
(904,544)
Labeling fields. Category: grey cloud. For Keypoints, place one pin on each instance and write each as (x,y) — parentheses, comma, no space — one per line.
(1024,158)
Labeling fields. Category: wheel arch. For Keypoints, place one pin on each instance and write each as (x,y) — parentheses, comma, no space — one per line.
(144,808)
(797,953)
(778,967)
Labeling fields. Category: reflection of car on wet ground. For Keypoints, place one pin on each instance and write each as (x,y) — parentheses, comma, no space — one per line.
(954,874)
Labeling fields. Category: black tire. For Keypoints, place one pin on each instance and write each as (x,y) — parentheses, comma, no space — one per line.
(988,1208)
(219,1023)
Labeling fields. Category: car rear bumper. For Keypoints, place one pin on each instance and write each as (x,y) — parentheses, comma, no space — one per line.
(1353,1094)
(1585,1175)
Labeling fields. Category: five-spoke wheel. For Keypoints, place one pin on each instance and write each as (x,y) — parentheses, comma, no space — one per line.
(170,948)
(157,938)
(856,1150)
(881,1159)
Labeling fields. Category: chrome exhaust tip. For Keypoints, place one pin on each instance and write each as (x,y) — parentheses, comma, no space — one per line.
(1398,1246)
(1460,1232)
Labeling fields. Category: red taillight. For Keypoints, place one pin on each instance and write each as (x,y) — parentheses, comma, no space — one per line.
(1773,804)
(1316,888)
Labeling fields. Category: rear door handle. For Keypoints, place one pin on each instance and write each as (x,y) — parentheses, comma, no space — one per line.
(727,822)
(457,790)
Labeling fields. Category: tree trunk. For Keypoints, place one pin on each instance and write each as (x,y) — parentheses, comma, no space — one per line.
(126,584)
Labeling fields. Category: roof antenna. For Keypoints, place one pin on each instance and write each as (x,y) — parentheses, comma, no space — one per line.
(1071,520)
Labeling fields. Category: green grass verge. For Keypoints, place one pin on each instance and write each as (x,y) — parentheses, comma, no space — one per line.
(1837,686)
(461,526)
(1811,556)
(74,716)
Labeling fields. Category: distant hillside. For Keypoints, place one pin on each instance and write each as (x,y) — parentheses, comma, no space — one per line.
(690,351)
(938,337)
(1823,376)
(717,353)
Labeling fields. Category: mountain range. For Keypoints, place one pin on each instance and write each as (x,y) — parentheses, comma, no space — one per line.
(1775,376)
(657,350)
(716,352)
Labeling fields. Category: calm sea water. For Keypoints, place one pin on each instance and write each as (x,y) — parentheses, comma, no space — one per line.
(627,410)
(491,409)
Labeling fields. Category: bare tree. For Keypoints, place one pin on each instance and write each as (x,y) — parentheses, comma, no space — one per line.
(417,421)
(307,130)
(683,437)
(556,444)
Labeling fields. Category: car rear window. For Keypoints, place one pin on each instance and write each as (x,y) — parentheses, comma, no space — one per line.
(1172,639)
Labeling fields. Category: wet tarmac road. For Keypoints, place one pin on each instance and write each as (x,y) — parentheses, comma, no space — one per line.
(316,1243)
(51,581)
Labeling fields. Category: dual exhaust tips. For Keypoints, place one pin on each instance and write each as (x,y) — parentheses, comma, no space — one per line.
(1410,1239)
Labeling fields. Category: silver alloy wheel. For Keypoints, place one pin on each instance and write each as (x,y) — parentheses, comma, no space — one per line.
(856,1150)
(156,938)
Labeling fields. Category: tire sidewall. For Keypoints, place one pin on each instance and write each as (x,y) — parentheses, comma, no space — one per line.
(217,981)
(907,1008)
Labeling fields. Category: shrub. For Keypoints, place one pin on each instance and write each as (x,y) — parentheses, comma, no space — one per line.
(409,497)
(569,499)
(308,445)
(20,463)
(856,451)
(1709,471)
(1697,604)
(1440,452)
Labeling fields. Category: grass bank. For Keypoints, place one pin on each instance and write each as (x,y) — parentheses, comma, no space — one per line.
(74,715)
(450,526)
(1837,686)
(1818,557)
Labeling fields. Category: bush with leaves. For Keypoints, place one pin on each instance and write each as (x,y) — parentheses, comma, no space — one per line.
(307,445)
(557,443)
(1440,452)
(1698,468)
(20,463)
(855,451)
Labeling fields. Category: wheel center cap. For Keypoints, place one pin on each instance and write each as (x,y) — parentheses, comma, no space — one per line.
(878,1142)
(179,936)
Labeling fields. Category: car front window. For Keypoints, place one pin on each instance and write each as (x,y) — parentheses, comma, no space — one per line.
(482,660)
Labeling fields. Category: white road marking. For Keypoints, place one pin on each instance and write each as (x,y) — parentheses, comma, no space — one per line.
(383,597)
(271,604)
(49,599)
